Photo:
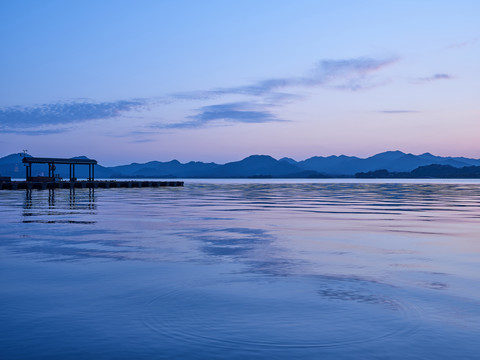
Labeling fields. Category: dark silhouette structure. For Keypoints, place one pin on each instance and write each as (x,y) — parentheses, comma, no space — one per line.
(28,161)
(51,182)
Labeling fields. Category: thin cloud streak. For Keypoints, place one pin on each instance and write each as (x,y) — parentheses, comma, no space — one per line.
(230,112)
(434,77)
(399,111)
(347,74)
(33,132)
(141,141)
(23,119)
(463,44)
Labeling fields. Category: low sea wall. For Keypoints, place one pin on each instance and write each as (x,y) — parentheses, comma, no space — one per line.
(28,185)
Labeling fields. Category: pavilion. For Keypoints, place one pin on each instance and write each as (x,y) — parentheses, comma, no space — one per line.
(28,161)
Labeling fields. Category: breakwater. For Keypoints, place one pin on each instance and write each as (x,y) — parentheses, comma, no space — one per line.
(97,184)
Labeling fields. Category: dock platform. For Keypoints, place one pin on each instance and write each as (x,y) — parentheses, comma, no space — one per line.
(96,184)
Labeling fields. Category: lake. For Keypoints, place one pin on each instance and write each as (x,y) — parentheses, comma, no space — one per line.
(259,269)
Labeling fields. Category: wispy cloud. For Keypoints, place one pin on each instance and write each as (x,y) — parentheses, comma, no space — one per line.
(23,119)
(398,111)
(241,112)
(434,77)
(31,132)
(141,141)
(465,43)
(349,74)
(346,74)
(254,106)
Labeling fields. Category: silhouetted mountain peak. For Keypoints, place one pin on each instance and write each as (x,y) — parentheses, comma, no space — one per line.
(257,159)
(429,156)
(288,160)
(330,157)
(83,157)
(408,156)
(13,158)
(200,163)
(388,155)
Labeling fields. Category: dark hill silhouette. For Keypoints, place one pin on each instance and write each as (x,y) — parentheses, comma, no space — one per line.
(446,171)
(337,165)
(393,161)
(289,160)
(13,159)
(12,166)
(386,163)
(255,165)
(434,171)
(453,161)
(165,169)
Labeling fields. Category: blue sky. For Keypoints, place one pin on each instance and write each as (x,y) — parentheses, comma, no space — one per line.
(124,81)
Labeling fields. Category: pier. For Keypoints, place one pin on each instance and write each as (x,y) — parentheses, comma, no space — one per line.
(96,184)
(55,182)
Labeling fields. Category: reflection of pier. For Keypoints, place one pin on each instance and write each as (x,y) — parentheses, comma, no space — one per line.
(59,206)
(73,199)
(97,184)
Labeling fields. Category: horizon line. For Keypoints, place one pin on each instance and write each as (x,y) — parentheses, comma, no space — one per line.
(267,155)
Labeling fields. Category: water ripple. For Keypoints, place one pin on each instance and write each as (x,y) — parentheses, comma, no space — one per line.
(260,315)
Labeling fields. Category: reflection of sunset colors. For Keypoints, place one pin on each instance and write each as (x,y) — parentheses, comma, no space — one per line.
(218,81)
(298,226)
(243,269)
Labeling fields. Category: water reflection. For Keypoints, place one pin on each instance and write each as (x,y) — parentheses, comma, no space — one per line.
(73,199)
(58,206)
(277,269)
(28,199)
(277,229)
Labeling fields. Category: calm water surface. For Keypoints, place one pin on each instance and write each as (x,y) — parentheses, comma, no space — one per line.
(225,269)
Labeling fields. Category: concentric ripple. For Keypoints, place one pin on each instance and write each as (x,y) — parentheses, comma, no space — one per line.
(269,314)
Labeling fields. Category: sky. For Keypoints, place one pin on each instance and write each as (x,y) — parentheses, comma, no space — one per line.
(134,81)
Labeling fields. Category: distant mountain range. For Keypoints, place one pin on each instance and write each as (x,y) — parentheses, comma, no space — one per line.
(386,164)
